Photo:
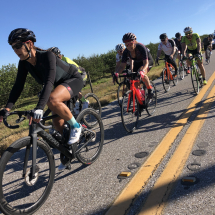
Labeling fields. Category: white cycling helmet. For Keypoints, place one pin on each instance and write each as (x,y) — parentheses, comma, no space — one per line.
(188,29)
(120,47)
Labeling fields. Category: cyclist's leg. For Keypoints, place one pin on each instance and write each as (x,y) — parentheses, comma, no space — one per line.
(172,61)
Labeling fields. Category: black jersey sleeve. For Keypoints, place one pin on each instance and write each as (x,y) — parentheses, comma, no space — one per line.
(18,85)
(49,60)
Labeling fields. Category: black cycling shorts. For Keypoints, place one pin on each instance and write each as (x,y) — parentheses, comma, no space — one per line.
(137,65)
(74,85)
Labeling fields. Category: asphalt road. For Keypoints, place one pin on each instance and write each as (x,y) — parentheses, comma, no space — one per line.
(93,189)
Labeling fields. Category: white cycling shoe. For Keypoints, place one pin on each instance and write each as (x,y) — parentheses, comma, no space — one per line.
(61,167)
(74,135)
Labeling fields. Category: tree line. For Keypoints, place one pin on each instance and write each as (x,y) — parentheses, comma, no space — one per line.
(99,66)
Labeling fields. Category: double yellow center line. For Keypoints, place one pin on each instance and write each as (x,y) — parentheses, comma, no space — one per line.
(138,182)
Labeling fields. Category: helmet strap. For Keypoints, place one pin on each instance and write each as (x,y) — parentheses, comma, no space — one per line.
(29,52)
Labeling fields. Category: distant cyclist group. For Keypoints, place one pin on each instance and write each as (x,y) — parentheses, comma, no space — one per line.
(62,78)
(137,57)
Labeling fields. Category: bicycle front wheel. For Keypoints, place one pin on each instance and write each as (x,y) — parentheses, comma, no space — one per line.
(195,80)
(181,71)
(129,112)
(91,140)
(165,80)
(151,103)
(19,194)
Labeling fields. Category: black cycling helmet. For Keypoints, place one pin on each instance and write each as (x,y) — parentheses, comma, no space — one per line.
(210,35)
(55,50)
(128,37)
(21,34)
(178,35)
(163,36)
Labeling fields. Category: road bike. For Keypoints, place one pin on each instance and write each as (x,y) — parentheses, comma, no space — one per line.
(135,100)
(196,76)
(167,76)
(27,167)
(182,67)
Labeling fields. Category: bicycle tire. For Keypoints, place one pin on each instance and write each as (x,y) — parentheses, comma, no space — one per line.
(165,80)
(129,117)
(22,200)
(151,103)
(97,138)
(175,80)
(121,91)
(181,70)
(195,81)
(95,104)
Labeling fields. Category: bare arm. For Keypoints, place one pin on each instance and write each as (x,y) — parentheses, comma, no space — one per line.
(158,53)
(145,66)
(131,64)
(118,64)
(121,68)
(198,45)
(183,48)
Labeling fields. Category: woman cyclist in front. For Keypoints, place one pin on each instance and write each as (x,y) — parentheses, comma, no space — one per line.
(142,59)
(49,70)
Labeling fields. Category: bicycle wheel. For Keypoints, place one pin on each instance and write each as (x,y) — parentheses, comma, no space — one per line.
(95,104)
(165,80)
(91,140)
(195,81)
(181,70)
(18,194)
(175,80)
(128,115)
(152,102)
(120,92)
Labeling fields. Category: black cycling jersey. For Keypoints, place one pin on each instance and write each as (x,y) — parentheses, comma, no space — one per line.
(178,44)
(206,41)
(140,51)
(49,71)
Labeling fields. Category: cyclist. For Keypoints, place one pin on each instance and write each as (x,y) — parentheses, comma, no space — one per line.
(141,58)
(191,43)
(207,41)
(169,48)
(49,70)
(81,70)
(120,49)
(177,40)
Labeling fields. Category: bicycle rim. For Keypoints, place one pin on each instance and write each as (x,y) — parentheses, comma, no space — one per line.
(165,80)
(151,103)
(120,92)
(195,81)
(92,139)
(128,115)
(18,195)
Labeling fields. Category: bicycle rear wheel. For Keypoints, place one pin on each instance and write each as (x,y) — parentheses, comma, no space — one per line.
(151,103)
(181,70)
(128,115)
(91,140)
(165,80)
(120,92)
(195,80)
(18,194)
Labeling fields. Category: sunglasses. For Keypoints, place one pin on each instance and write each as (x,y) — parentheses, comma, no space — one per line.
(17,46)
(163,40)
(187,34)
(129,43)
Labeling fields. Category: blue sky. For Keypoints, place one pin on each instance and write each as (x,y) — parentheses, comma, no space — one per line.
(87,27)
